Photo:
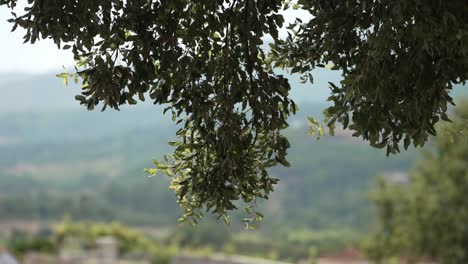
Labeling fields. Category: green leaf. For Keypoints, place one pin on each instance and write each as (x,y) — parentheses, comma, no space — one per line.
(226,220)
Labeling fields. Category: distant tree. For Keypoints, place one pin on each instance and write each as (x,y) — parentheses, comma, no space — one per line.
(206,61)
(427,218)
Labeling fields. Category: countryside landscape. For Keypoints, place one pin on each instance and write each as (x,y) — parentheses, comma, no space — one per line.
(63,163)
(233,132)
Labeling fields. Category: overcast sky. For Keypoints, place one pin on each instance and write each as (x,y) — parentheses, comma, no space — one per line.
(18,57)
(44,55)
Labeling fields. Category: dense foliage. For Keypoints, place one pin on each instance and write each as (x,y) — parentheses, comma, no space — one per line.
(203,59)
(399,60)
(427,218)
(206,60)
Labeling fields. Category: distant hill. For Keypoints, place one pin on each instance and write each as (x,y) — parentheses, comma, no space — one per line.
(43,92)
(57,158)
(69,155)
(54,148)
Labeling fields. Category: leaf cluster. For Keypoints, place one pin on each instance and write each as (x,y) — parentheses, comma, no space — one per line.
(426,219)
(399,60)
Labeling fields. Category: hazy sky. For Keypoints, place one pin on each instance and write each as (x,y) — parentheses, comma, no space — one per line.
(44,55)
(18,57)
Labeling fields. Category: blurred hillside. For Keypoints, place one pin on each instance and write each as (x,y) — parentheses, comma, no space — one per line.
(58,159)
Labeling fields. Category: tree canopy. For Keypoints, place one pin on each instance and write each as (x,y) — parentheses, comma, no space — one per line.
(427,218)
(207,62)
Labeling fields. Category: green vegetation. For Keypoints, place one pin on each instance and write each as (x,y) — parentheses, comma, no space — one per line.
(46,174)
(427,218)
(100,177)
(134,243)
(399,61)
(130,242)
(21,243)
(207,63)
